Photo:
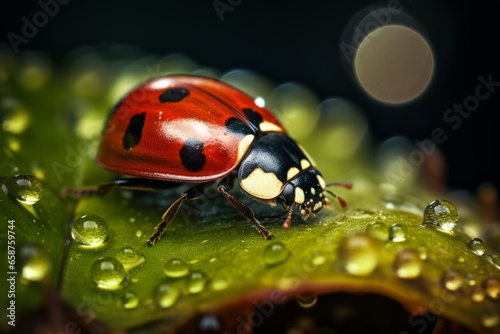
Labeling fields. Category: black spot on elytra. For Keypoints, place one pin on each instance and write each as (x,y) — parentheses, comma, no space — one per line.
(173,95)
(237,127)
(192,156)
(133,133)
(253,117)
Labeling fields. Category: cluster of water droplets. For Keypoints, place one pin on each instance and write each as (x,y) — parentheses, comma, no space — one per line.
(179,280)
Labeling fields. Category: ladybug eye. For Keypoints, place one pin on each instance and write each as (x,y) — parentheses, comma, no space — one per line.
(289,193)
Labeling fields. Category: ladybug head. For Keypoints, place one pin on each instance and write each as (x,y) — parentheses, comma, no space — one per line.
(306,190)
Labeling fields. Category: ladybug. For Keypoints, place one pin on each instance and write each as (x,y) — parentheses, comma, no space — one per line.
(200,130)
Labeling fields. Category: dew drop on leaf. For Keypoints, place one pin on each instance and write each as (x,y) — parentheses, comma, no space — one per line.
(359,254)
(441,213)
(494,259)
(166,294)
(24,188)
(108,273)
(422,250)
(35,262)
(130,258)
(130,300)
(397,233)
(219,283)
(477,294)
(407,264)
(492,287)
(477,246)
(175,268)
(490,318)
(196,282)
(453,279)
(90,230)
(14,117)
(276,253)
(378,230)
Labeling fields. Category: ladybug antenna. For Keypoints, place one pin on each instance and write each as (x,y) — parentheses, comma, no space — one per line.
(288,221)
(347,185)
(341,201)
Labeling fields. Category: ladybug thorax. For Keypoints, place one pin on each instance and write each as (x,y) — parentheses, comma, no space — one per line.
(277,169)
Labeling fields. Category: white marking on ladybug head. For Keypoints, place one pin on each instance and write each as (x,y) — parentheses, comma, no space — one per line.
(300,197)
(317,206)
(313,191)
(291,173)
(261,184)
(305,164)
(322,183)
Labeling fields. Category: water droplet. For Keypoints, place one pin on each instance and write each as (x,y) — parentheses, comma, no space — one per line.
(407,264)
(90,230)
(494,259)
(166,294)
(175,268)
(14,116)
(196,282)
(470,279)
(318,259)
(108,273)
(422,250)
(453,279)
(477,246)
(306,299)
(24,188)
(441,213)
(276,253)
(490,318)
(35,262)
(397,233)
(477,294)
(378,230)
(492,287)
(130,258)
(130,300)
(138,233)
(359,253)
(219,282)
(14,144)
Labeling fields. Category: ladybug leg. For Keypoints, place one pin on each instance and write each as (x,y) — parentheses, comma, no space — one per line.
(190,194)
(244,209)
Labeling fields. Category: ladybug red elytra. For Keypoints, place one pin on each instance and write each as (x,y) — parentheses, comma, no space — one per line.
(198,130)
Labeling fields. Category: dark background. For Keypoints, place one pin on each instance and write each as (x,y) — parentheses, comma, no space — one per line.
(299,41)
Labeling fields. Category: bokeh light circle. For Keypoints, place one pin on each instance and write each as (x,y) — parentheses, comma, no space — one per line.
(394,64)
